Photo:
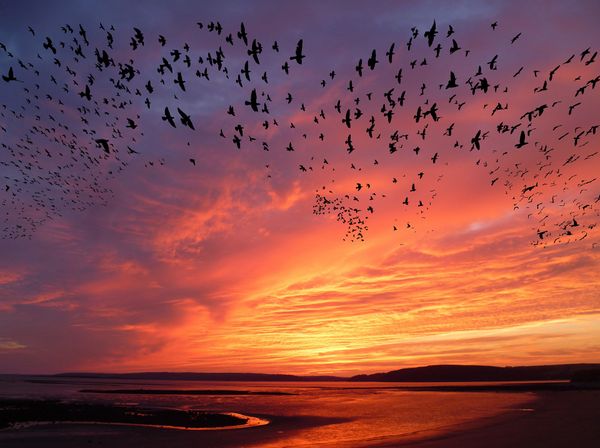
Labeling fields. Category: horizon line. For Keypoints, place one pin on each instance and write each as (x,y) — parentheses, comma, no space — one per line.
(84,372)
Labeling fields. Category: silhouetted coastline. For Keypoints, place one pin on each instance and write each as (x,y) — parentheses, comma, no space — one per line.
(182,392)
(434,373)
(16,413)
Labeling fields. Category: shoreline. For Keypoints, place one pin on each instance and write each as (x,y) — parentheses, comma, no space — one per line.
(81,434)
(564,419)
(250,423)
(549,419)
(16,415)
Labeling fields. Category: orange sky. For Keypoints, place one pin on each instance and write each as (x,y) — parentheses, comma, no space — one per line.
(218,267)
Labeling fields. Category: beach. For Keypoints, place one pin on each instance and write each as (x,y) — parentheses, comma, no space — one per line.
(549,419)
(118,436)
(557,419)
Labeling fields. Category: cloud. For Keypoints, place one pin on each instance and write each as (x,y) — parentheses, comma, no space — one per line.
(8,345)
(221,265)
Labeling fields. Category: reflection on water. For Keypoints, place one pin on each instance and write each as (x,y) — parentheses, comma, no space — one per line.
(338,414)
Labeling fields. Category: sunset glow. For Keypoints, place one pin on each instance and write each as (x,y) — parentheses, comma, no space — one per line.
(221,265)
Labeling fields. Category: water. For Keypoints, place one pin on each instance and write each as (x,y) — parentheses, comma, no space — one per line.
(320,413)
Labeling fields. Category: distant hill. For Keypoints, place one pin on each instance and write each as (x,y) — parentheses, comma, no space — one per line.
(446,373)
(587,376)
(192,376)
(437,373)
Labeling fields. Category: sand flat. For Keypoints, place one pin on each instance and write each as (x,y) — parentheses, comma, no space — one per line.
(566,419)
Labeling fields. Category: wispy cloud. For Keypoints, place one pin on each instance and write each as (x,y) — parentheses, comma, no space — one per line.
(220,267)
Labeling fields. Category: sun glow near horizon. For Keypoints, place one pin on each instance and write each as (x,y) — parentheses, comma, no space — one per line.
(221,266)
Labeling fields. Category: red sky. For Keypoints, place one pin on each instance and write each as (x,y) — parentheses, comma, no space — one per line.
(218,267)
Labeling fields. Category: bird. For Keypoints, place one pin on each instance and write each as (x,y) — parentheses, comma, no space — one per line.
(10,76)
(67,120)
(430,35)
(298,56)
(86,93)
(242,35)
(180,81)
(522,141)
(103,143)
(451,84)
(253,101)
(372,61)
(168,117)
(185,119)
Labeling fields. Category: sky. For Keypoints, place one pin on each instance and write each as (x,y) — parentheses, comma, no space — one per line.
(221,265)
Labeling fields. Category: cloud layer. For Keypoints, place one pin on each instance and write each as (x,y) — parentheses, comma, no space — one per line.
(217,268)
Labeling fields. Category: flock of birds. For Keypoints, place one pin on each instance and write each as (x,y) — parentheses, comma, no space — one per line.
(72,118)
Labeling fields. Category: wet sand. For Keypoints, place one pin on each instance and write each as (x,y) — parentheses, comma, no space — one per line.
(21,414)
(80,435)
(566,419)
(557,419)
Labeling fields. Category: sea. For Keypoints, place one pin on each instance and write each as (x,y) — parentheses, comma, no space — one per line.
(326,414)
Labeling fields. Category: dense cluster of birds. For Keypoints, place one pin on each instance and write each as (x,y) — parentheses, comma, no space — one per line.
(73,116)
